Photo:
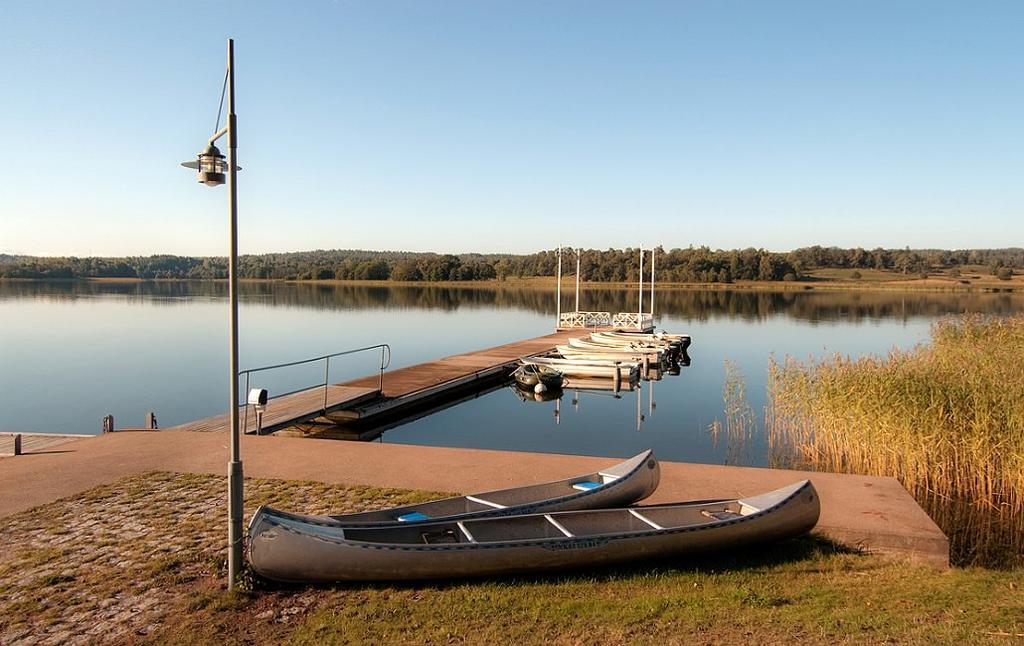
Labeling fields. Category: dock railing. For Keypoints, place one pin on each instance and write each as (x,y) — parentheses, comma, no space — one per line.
(633,321)
(584,319)
(385,361)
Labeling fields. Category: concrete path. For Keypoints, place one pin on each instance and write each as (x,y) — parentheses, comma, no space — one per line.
(871,512)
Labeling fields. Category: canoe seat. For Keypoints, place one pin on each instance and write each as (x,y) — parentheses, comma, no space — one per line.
(440,536)
(411,516)
(724,514)
(586,485)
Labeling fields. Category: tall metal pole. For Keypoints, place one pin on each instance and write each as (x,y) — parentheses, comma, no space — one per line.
(558,292)
(577,280)
(652,283)
(640,307)
(235,464)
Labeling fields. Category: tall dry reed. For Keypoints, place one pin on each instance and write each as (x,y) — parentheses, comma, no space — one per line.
(739,418)
(946,419)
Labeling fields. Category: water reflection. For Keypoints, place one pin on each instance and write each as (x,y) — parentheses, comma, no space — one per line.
(129,348)
(751,305)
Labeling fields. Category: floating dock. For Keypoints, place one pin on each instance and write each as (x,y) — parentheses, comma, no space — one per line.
(362,408)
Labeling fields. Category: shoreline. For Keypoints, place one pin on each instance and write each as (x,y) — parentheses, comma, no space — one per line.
(934,285)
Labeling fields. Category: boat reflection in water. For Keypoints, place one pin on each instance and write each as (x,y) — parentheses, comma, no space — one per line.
(591,388)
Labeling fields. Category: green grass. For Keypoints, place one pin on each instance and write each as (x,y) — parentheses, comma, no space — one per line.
(805,591)
(946,419)
(802,591)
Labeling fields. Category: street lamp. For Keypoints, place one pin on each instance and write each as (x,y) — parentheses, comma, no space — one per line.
(211,166)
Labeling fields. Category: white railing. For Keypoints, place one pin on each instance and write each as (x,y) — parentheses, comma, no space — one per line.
(584,319)
(633,321)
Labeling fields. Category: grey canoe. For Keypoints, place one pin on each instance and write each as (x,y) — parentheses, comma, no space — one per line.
(619,485)
(293,551)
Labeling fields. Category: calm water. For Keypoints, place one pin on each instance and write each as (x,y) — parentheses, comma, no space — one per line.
(71,353)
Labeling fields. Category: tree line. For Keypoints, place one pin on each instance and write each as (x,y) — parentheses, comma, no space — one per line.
(693,264)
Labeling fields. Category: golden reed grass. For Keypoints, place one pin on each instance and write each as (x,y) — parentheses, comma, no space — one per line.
(946,419)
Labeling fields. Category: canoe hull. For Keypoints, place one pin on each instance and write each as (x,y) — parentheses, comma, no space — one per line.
(291,554)
(634,480)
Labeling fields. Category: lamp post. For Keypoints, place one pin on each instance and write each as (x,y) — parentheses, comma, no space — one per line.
(211,166)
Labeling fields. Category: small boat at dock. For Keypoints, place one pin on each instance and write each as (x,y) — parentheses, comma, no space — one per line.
(628,370)
(528,375)
(293,551)
(654,353)
(681,340)
(622,484)
(607,354)
(602,339)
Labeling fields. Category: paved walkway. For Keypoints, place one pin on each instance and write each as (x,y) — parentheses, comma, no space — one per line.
(872,512)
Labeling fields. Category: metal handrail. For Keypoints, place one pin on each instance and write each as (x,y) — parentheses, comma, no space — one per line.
(385,362)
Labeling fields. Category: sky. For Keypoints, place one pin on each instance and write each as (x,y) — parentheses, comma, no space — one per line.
(514,126)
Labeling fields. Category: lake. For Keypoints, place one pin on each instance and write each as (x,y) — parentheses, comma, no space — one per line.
(72,352)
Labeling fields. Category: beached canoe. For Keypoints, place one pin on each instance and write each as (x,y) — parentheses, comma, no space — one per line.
(622,484)
(293,551)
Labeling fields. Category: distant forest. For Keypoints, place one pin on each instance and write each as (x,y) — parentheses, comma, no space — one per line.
(694,264)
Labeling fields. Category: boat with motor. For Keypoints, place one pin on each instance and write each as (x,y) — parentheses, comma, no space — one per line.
(608,354)
(621,484)
(628,370)
(682,340)
(289,550)
(602,339)
(654,353)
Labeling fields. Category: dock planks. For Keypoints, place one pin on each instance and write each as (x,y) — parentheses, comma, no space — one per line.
(288,410)
(404,388)
(414,385)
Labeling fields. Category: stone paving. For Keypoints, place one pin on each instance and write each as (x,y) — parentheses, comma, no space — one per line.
(110,564)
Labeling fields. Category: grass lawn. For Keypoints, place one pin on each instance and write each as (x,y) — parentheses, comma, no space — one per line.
(140,560)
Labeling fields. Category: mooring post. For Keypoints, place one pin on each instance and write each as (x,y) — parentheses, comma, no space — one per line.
(17,445)
(617,381)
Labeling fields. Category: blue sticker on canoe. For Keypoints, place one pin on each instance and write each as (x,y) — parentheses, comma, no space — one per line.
(405,518)
(586,485)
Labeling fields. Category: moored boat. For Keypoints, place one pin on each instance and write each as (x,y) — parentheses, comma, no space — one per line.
(628,370)
(654,353)
(682,340)
(621,484)
(288,550)
(528,375)
(602,338)
(608,354)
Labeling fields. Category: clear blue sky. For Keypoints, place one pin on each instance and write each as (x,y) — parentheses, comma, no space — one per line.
(513,126)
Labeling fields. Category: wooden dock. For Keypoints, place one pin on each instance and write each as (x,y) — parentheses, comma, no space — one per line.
(448,378)
(290,410)
(354,405)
